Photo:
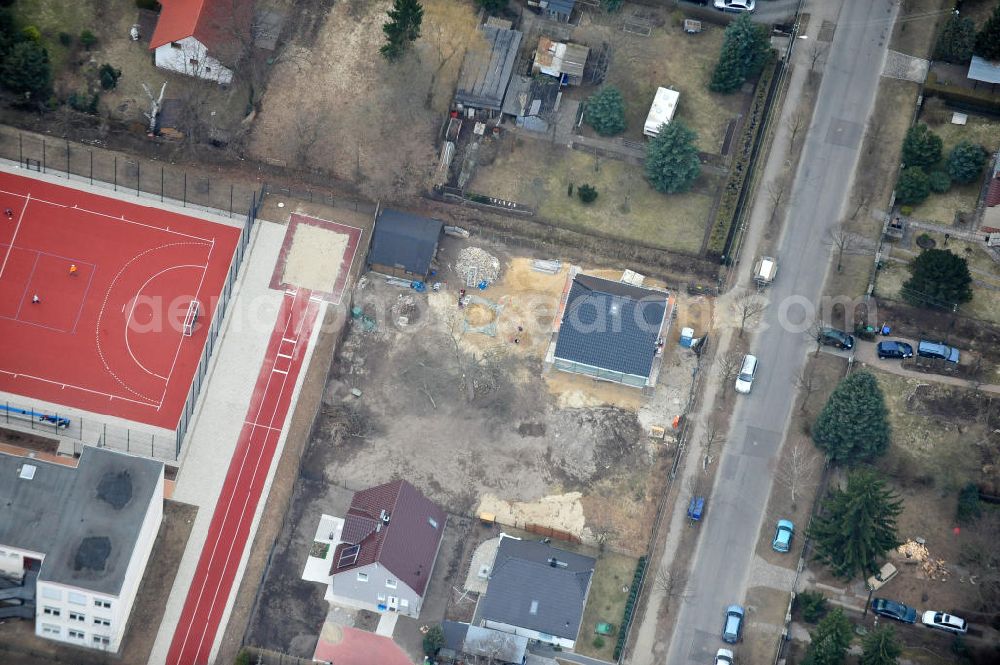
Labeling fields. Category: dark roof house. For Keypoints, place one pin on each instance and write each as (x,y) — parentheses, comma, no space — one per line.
(403,244)
(536,591)
(485,74)
(395,526)
(558,10)
(612,330)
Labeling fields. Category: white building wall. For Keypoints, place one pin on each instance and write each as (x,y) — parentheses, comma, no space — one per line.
(81,617)
(189,56)
(530,634)
(349,589)
(12,560)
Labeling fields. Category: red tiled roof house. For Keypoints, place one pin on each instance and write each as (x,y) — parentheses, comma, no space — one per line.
(991,209)
(202,38)
(391,537)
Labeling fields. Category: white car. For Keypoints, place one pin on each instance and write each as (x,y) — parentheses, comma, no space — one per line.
(736,5)
(744,380)
(724,657)
(946,622)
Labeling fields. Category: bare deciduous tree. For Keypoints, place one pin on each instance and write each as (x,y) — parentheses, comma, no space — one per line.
(864,190)
(708,441)
(816,51)
(840,239)
(795,123)
(806,383)
(776,190)
(729,367)
(874,134)
(815,333)
(670,585)
(798,471)
(748,306)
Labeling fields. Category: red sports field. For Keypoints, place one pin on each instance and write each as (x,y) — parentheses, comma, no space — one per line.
(114,280)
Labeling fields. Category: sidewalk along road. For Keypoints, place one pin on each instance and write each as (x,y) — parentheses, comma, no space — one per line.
(215,575)
(721,565)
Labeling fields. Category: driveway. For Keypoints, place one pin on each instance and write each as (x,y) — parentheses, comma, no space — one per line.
(721,569)
(865,352)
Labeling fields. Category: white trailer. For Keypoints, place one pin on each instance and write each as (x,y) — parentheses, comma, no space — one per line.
(662,111)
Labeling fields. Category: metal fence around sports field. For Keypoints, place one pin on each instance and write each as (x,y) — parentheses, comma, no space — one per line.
(150,180)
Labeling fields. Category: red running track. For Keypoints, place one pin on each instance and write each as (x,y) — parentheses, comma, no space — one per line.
(244,484)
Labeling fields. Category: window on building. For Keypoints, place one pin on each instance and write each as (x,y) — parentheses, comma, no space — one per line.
(106,604)
(193,62)
(174,45)
(77,598)
(76,634)
(52,611)
(208,69)
(102,641)
(362,577)
(76,616)
(381,598)
(390,584)
(49,629)
(404,603)
(51,594)
(100,621)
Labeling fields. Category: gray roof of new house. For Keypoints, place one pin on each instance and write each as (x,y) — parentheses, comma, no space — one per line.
(485,74)
(611,325)
(404,240)
(537,587)
(85,520)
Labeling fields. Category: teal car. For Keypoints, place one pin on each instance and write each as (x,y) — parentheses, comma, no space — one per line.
(782,541)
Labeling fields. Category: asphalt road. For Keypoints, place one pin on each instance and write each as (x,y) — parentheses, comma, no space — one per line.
(735,512)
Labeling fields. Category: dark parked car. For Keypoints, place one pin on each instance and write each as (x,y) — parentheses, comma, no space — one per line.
(937,350)
(894,610)
(837,338)
(734,624)
(894,350)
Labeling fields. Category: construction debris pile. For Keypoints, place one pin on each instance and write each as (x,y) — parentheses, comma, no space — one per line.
(477,267)
(915,551)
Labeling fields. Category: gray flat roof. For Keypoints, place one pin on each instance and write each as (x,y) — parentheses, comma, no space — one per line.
(538,587)
(85,520)
(485,74)
(983,70)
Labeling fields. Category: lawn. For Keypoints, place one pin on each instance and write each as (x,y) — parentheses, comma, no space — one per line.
(52,17)
(985,303)
(538,174)
(934,428)
(941,208)
(669,58)
(916,26)
(606,602)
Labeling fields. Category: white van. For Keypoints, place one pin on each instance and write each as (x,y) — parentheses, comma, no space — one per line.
(745,379)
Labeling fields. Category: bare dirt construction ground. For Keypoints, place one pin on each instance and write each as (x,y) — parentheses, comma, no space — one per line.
(511,442)
(19,644)
(340,107)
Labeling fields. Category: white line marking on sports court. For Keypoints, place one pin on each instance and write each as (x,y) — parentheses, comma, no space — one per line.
(17,228)
(99,393)
(180,336)
(131,311)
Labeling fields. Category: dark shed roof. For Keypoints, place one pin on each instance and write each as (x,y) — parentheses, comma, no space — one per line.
(611,325)
(564,7)
(403,239)
(483,80)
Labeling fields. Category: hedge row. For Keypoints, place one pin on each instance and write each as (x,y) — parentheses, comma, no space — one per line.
(725,214)
(633,597)
(965,98)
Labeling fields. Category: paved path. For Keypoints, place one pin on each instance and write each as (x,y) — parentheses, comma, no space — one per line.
(721,567)
(546,651)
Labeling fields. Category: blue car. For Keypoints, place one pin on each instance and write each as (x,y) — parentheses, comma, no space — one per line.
(782,541)
(734,624)
(937,350)
(894,610)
